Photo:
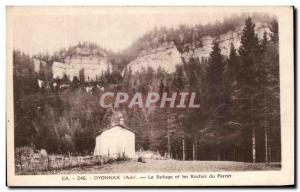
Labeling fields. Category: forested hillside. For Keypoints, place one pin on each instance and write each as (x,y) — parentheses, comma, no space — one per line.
(239,117)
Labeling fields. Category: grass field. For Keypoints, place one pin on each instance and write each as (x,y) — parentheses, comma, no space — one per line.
(167,166)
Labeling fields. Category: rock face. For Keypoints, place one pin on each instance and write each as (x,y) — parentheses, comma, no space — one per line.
(38,64)
(93,65)
(166,57)
(224,41)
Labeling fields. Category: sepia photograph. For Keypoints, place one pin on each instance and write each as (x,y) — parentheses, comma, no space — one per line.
(138,95)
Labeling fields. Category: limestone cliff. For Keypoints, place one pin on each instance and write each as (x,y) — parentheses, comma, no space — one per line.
(166,56)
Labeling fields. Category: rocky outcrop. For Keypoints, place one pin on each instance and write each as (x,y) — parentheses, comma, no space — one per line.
(165,57)
(92,64)
(224,41)
(38,64)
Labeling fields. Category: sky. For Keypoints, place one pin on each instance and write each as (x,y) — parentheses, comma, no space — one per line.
(39,30)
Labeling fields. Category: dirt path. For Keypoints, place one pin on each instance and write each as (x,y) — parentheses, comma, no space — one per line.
(167,166)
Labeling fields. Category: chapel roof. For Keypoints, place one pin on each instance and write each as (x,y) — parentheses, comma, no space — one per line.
(120,125)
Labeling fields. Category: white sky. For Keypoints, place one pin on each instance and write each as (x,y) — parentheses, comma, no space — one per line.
(37,30)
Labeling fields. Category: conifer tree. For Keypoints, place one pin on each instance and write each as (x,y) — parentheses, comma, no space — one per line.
(230,81)
(81,76)
(268,100)
(274,29)
(215,96)
(215,75)
(249,56)
(232,66)
(264,42)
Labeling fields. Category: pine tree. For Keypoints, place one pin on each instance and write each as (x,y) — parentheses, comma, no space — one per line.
(274,29)
(178,81)
(249,56)
(81,76)
(264,42)
(230,82)
(248,51)
(260,100)
(268,101)
(232,67)
(215,96)
(215,76)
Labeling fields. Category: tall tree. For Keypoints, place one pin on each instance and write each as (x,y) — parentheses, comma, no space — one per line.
(81,76)
(231,68)
(274,29)
(232,129)
(264,42)
(215,96)
(268,100)
(249,52)
(215,75)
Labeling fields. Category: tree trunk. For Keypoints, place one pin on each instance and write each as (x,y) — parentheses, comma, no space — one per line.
(270,153)
(196,144)
(194,149)
(253,146)
(266,143)
(233,153)
(183,151)
(169,144)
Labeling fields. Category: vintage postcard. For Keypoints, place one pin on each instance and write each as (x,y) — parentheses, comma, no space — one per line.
(150,96)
